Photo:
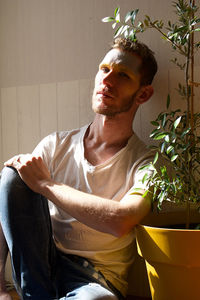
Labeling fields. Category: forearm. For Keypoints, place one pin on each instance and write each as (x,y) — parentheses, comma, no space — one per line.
(3,257)
(102,214)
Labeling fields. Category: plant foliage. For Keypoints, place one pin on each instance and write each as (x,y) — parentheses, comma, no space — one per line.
(177,133)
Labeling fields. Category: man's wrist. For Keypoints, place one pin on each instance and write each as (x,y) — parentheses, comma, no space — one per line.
(46,187)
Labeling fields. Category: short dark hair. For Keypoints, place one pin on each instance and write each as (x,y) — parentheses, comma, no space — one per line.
(148,66)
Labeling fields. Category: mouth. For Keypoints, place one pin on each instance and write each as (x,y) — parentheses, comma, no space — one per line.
(105,94)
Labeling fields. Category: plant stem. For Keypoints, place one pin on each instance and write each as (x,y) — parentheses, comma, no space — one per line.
(187,214)
(190,111)
(167,38)
(192,72)
(186,82)
(188,124)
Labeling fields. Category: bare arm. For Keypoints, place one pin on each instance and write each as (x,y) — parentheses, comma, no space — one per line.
(102,214)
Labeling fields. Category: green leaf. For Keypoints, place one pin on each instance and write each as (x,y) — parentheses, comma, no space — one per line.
(118,31)
(117,18)
(145,167)
(197,29)
(155,158)
(154,123)
(167,138)
(162,148)
(134,14)
(164,120)
(163,171)
(128,16)
(185,132)
(161,197)
(140,25)
(126,27)
(145,177)
(154,132)
(174,157)
(169,149)
(132,35)
(145,194)
(147,17)
(114,25)
(126,33)
(160,136)
(153,147)
(146,22)
(116,12)
(176,123)
(108,19)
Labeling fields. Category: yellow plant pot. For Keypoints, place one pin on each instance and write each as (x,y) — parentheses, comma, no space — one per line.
(172,258)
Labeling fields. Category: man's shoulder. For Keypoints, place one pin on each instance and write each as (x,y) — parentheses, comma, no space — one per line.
(60,136)
(139,151)
(58,140)
(137,145)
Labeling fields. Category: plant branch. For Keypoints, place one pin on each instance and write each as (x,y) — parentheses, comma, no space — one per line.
(167,38)
(193,83)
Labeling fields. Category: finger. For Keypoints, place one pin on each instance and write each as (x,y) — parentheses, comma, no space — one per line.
(21,158)
(12,160)
(24,159)
(14,164)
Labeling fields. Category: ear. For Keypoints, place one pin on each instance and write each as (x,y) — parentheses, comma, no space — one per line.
(144,94)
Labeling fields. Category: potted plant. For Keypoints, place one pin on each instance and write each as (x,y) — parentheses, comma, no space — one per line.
(177,146)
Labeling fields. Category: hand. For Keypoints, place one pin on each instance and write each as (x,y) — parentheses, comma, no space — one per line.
(32,170)
(5,296)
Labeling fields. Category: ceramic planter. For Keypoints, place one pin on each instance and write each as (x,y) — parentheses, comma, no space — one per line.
(172,258)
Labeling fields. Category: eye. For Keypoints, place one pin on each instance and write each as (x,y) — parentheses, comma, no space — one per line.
(105,69)
(123,74)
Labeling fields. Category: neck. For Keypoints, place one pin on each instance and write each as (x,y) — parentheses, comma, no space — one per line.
(110,130)
(107,135)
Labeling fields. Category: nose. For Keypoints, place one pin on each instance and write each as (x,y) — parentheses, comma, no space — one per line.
(109,78)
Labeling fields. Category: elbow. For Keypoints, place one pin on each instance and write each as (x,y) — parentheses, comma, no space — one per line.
(121,232)
(122,228)
(126,223)
(127,216)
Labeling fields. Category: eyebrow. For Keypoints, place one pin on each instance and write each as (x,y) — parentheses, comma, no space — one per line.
(119,67)
(103,65)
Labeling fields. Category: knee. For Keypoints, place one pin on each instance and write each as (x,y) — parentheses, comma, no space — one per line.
(92,291)
(10,180)
(16,198)
(13,190)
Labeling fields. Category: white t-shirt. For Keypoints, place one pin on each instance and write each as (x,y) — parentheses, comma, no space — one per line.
(63,153)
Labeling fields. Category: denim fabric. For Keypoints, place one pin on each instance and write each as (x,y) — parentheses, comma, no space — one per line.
(40,271)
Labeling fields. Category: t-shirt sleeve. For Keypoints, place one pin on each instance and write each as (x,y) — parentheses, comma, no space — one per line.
(138,183)
(46,149)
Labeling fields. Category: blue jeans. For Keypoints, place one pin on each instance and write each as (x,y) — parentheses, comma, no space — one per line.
(40,270)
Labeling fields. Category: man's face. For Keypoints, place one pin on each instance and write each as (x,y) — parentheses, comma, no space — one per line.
(116,83)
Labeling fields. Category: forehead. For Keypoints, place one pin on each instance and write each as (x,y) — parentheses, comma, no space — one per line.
(122,59)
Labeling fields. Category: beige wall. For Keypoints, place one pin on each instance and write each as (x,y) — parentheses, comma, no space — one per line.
(49,53)
(45,41)
(50,50)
